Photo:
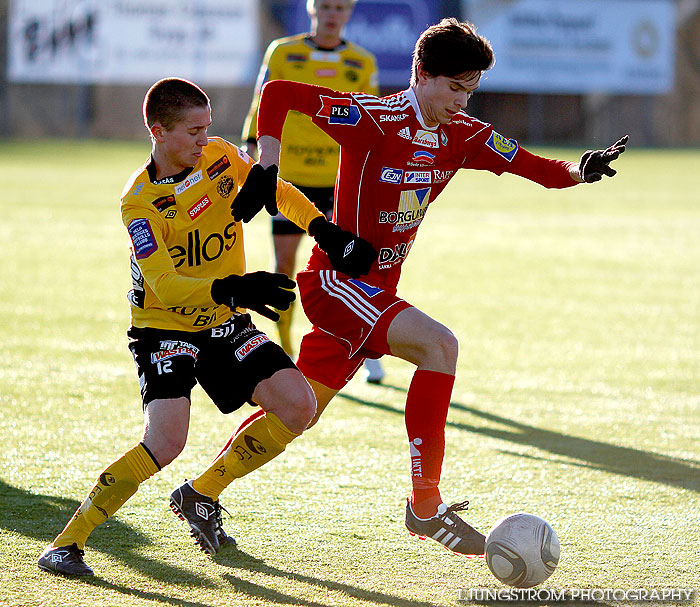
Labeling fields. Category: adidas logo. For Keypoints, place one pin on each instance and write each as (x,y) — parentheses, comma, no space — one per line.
(405,132)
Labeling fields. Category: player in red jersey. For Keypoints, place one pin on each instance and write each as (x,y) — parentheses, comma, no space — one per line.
(397,154)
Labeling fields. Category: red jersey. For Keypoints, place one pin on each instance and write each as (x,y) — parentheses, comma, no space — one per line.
(393,166)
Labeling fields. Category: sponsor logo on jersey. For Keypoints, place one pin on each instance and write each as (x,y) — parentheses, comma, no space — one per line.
(244,157)
(417,177)
(164,202)
(294,58)
(189,182)
(328,57)
(137,295)
(171,348)
(421,157)
(225,186)
(428,139)
(353,63)
(199,207)
(339,111)
(369,290)
(326,72)
(405,132)
(250,345)
(142,238)
(200,248)
(165,180)
(390,175)
(392,117)
(507,148)
(204,316)
(391,256)
(440,176)
(218,167)
(137,190)
(413,205)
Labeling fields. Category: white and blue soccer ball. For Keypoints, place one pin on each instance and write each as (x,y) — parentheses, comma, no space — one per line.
(522,550)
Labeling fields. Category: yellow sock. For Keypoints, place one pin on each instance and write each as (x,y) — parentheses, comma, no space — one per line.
(255,444)
(284,329)
(116,484)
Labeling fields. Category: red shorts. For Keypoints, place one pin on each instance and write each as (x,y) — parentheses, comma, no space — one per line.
(350,322)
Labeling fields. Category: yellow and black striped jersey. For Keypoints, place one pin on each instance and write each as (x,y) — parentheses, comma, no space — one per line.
(309,157)
(183,236)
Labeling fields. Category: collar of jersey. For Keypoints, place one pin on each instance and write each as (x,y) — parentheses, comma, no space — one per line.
(316,47)
(411,96)
(151,168)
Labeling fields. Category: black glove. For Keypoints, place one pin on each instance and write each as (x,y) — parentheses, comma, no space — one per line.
(595,164)
(255,291)
(258,191)
(348,253)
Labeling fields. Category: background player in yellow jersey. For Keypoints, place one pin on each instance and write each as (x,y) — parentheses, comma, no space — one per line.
(188,318)
(310,157)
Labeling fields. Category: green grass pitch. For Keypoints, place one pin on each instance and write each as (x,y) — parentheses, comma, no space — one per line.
(577,397)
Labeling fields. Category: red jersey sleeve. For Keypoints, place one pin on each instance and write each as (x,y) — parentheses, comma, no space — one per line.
(337,114)
(499,155)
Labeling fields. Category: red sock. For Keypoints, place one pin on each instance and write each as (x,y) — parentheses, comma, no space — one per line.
(426,414)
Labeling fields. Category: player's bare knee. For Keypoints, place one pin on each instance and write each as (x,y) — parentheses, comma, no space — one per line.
(448,345)
(441,349)
(166,450)
(296,409)
(304,408)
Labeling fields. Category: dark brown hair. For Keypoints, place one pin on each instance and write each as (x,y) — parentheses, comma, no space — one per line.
(168,99)
(451,48)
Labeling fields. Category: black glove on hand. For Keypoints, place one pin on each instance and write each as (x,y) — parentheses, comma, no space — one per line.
(595,164)
(255,291)
(348,253)
(258,191)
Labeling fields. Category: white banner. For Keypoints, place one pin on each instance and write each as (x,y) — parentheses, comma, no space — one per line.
(133,41)
(578,46)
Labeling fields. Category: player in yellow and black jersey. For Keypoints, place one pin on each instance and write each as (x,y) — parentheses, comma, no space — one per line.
(184,236)
(183,211)
(309,157)
(322,56)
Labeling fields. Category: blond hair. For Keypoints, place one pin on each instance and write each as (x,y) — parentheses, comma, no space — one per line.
(311,5)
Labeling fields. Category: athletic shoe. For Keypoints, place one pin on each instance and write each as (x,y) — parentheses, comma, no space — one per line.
(224,538)
(203,515)
(447,528)
(374,372)
(67,560)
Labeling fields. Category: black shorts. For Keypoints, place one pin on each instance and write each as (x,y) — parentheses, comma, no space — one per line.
(228,361)
(321,197)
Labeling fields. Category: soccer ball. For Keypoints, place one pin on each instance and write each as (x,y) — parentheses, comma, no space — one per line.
(522,550)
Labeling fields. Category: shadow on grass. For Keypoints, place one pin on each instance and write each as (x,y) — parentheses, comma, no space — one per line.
(237,559)
(644,465)
(143,594)
(41,517)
